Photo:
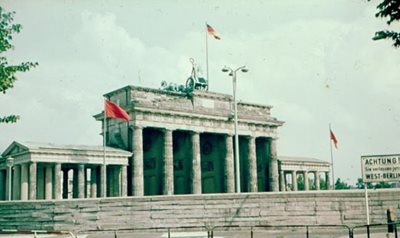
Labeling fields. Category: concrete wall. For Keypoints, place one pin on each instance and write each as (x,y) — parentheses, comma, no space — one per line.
(322,207)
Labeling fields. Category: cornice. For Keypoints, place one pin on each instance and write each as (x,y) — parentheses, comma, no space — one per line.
(207,117)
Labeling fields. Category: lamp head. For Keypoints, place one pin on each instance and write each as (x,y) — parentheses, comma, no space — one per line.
(244,70)
(225,69)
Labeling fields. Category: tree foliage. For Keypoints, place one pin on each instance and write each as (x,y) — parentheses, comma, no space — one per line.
(389,9)
(311,183)
(8,71)
(360,184)
(339,184)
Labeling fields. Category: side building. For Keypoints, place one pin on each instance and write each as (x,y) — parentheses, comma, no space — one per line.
(35,171)
(301,173)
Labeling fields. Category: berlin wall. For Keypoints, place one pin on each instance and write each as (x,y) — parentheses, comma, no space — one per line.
(158,212)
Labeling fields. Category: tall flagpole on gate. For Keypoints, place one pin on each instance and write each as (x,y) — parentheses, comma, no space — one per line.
(208,79)
(103,171)
(330,145)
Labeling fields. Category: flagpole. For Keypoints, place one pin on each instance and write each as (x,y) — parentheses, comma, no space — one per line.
(208,79)
(104,190)
(330,145)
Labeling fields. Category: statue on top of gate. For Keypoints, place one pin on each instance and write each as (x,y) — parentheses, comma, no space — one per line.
(194,82)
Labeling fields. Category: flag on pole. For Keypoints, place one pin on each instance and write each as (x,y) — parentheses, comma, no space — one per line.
(114,111)
(213,32)
(333,138)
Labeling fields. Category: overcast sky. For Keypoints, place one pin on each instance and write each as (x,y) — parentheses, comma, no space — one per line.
(312,60)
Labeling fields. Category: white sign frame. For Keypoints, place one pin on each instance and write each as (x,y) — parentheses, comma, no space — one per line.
(380,168)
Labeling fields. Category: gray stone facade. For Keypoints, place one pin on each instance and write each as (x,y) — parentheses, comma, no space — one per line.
(183,143)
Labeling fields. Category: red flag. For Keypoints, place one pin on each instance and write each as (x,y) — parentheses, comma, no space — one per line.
(213,32)
(114,111)
(333,138)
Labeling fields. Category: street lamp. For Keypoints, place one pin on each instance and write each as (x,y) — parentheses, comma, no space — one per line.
(232,73)
(9,163)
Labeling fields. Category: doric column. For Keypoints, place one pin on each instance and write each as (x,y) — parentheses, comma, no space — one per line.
(17,182)
(328,181)
(65,184)
(24,181)
(8,183)
(81,181)
(305,177)
(168,164)
(316,180)
(282,180)
(93,182)
(253,165)
(48,191)
(137,163)
(273,167)
(294,180)
(32,180)
(229,165)
(196,163)
(102,190)
(85,178)
(2,184)
(57,181)
(124,184)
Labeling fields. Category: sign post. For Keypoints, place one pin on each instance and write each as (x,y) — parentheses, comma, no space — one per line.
(379,168)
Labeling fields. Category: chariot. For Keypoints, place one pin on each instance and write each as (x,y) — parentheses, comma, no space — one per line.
(196,82)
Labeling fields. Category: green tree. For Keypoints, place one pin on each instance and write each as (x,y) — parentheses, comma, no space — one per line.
(300,183)
(8,71)
(341,184)
(383,185)
(323,184)
(378,185)
(389,9)
(360,184)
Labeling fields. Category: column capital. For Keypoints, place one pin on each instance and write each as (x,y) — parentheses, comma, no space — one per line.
(166,130)
(136,126)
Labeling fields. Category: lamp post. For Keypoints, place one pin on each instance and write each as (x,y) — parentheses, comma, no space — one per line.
(9,163)
(233,74)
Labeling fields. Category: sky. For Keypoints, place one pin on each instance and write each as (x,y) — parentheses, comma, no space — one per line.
(314,61)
